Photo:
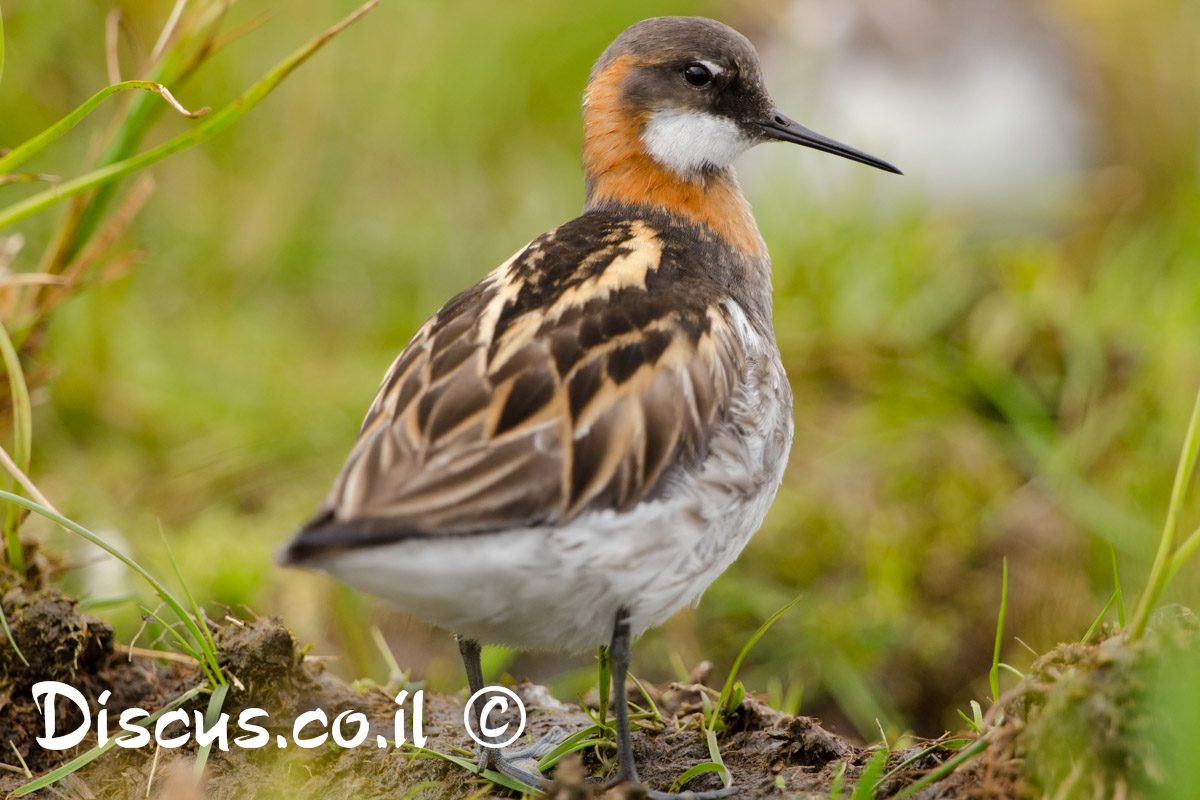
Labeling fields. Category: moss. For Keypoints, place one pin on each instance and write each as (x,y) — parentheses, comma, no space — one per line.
(1087,719)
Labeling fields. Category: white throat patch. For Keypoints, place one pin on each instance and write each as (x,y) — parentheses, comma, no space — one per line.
(690,141)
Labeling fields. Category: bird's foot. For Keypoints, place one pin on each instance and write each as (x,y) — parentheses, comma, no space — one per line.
(539,748)
(519,763)
(523,770)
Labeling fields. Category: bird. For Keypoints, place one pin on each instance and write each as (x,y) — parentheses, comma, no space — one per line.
(574,448)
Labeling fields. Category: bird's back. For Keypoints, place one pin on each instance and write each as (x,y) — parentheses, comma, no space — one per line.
(589,372)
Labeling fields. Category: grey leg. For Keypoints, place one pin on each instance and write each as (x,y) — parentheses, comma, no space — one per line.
(626,770)
(470,651)
(469,648)
(490,757)
(619,653)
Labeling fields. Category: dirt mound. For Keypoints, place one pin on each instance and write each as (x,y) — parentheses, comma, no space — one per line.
(1086,703)
(59,643)
(765,750)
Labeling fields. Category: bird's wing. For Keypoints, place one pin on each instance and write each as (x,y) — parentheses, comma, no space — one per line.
(576,376)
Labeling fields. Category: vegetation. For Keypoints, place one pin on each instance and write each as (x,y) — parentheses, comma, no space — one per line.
(191,354)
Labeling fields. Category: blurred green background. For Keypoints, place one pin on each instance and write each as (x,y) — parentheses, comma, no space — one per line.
(998,371)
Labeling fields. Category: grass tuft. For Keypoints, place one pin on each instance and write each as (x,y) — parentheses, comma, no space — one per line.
(214,124)
(591,736)
(31,147)
(198,645)
(727,690)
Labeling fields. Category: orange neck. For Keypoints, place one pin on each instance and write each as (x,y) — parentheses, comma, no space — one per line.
(619,171)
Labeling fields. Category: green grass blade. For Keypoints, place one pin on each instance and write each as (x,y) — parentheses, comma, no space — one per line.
(547,762)
(1,44)
(213,124)
(389,658)
(837,786)
(75,764)
(31,147)
(994,674)
(1020,675)
(1117,585)
(1099,618)
(582,739)
(865,788)
(700,769)
(655,713)
(206,643)
(20,758)
(213,713)
(181,642)
(100,603)
(1160,571)
(160,590)
(194,41)
(172,68)
(714,752)
(1183,553)
(22,443)
(741,656)
(566,745)
(495,777)
(12,640)
(949,744)
(970,723)
(678,667)
(945,769)
(22,410)
(604,683)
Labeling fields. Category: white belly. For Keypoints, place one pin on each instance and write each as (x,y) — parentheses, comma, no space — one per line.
(559,588)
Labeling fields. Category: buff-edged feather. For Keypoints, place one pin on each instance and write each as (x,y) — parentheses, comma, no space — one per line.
(585,373)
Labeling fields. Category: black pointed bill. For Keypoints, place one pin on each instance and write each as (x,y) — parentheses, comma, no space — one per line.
(788,130)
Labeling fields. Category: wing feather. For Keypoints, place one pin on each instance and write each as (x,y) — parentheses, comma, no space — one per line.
(572,378)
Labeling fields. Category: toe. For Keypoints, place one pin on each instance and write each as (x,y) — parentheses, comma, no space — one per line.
(540,747)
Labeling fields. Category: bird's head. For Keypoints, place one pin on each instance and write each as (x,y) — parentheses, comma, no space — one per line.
(688,93)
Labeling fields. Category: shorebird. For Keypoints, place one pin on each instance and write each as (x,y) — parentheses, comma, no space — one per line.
(574,448)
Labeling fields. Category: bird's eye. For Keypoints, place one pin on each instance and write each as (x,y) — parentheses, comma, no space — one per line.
(697,75)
